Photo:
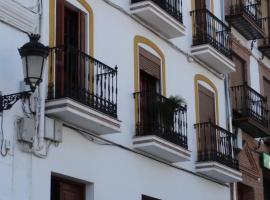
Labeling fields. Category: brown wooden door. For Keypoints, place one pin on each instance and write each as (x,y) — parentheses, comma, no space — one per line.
(69,191)
(206,105)
(239,77)
(207,114)
(62,189)
(70,36)
(200,4)
(148,99)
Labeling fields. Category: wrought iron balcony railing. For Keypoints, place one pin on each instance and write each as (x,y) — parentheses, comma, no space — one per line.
(252,9)
(246,102)
(245,16)
(84,79)
(208,29)
(160,116)
(172,7)
(216,144)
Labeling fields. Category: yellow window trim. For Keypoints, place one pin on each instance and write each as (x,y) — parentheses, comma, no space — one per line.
(200,77)
(142,40)
(52,33)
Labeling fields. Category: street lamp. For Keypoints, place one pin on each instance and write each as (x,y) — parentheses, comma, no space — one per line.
(34,55)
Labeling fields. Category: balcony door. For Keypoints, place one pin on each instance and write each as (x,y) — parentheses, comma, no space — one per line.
(200,4)
(150,66)
(70,37)
(202,28)
(206,105)
(207,114)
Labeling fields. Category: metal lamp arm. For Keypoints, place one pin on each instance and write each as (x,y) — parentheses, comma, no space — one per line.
(7,101)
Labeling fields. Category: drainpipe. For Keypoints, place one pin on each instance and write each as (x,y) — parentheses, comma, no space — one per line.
(41,92)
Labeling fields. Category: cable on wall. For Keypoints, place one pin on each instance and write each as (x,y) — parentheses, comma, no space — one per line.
(102,141)
(2,151)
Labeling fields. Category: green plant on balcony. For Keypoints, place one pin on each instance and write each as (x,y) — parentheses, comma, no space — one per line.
(168,112)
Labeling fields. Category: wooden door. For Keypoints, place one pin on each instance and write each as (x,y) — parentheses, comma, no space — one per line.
(207,114)
(70,191)
(62,189)
(70,36)
(200,4)
(239,77)
(201,21)
(148,99)
(206,105)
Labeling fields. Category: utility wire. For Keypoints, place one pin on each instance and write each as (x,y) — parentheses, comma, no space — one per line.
(3,152)
(92,137)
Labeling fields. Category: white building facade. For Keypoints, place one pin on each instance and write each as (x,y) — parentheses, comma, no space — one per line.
(135,101)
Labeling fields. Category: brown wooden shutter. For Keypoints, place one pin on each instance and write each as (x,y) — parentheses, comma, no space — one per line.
(239,76)
(69,191)
(206,104)
(149,63)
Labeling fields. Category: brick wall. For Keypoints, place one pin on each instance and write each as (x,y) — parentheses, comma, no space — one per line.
(250,166)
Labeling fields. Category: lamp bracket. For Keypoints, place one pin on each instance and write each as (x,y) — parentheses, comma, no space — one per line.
(7,101)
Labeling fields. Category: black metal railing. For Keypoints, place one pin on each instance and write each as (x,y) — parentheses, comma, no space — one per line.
(251,8)
(216,144)
(208,29)
(172,7)
(84,79)
(246,102)
(160,116)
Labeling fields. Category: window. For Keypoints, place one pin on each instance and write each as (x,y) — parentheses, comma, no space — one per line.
(144,197)
(62,189)
(150,67)
(239,77)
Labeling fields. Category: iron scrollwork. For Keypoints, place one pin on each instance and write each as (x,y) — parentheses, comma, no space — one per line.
(7,101)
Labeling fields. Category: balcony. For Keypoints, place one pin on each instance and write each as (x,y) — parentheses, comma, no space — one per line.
(161,128)
(250,111)
(84,93)
(165,16)
(245,16)
(215,153)
(211,41)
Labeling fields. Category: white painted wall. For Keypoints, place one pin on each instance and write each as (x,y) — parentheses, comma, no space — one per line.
(114,172)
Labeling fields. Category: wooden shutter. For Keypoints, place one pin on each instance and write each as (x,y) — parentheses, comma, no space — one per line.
(70,191)
(206,105)
(149,63)
(239,76)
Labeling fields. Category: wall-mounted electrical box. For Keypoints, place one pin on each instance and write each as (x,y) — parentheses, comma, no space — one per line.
(53,130)
(26,130)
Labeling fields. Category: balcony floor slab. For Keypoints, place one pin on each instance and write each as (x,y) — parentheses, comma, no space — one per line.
(161,148)
(72,112)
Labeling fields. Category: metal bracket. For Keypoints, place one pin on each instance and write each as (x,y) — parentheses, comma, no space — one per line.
(7,101)
(252,44)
